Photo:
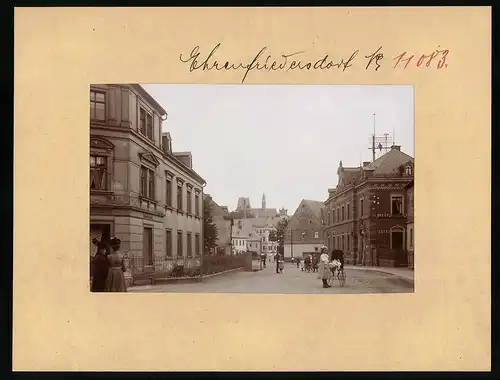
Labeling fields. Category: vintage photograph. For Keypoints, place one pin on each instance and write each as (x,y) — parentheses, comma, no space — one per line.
(279,189)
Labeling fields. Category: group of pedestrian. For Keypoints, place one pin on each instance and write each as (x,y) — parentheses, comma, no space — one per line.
(108,267)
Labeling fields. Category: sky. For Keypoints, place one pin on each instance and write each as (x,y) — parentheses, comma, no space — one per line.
(282,140)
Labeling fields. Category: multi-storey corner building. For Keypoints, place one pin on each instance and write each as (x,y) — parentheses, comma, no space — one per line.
(365,215)
(140,190)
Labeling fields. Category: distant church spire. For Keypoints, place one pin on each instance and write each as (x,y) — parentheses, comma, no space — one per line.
(263,202)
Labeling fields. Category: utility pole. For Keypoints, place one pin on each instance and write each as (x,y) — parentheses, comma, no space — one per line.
(373,139)
(291,241)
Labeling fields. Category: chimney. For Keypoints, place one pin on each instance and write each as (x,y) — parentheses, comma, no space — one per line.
(166,143)
(366,163)
(396,147)
(185,158)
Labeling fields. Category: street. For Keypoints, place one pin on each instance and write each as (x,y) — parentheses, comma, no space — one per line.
(292,281)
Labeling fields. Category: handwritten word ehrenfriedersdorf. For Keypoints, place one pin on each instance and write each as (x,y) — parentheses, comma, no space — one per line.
(286,62)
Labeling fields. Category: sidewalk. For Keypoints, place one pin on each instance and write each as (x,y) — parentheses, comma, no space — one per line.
(401,272)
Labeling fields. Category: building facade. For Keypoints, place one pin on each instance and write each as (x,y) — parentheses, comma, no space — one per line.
(253,235)
(365,215)
(410,230)
(303,233)
(140,190)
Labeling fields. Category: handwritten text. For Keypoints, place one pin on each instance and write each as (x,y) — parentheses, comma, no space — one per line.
(263,60)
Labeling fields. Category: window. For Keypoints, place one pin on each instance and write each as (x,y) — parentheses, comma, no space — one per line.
(348,211)
(348,243)
(333,216)
(197,245)
(142,121)
(179,196)
(147,183)
(189,201)
(189,244)
(396,205)
(409,170)
(343,213)
(98,172)
(149,126)
(168,243)
(316,235)
(362,207)
(168,196)
(411,237)
(328,220)
(338,215)
(98,105)
(179,244)
(264,247)
(147,246)
(343,242)
(197,203)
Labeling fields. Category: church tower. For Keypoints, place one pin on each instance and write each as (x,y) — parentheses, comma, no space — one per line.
(263,202)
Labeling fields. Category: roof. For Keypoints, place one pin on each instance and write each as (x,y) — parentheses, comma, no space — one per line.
(219,210)
(315,206)
(268,212)
(389,163)
(148,97)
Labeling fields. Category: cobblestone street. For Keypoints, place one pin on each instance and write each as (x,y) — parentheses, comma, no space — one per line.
(292,281)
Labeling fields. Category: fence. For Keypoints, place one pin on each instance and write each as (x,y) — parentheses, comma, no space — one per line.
(216,264)
(182,267)
(165,266)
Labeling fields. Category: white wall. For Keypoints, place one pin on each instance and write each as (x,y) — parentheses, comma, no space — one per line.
(299,249)
(240,244)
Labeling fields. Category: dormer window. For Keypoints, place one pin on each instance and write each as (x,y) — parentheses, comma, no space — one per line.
(409,170)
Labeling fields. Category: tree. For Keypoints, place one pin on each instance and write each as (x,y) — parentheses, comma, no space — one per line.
(210,232)
(280,234)
(273,236)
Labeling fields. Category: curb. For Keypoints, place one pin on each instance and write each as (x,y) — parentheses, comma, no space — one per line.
(189,280)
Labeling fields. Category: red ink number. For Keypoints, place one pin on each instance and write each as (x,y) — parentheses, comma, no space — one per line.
(404,60)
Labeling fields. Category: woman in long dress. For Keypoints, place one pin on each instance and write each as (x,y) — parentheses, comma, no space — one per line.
(116,279)
(324,268)
(100,269)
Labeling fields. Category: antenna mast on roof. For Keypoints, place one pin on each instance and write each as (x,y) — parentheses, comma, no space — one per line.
(381,142)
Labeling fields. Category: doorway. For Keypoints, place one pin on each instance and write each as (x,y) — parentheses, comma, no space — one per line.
(398,248)
(98,231)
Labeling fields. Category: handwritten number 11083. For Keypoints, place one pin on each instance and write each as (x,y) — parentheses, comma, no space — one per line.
(437,59)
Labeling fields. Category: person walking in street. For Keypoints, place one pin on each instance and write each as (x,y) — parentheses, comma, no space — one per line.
(99,269)
(302,264)
(324,268)
(116,279)
(281,265)
(277,260)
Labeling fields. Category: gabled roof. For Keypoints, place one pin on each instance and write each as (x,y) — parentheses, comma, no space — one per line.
(389,163)
(315,206)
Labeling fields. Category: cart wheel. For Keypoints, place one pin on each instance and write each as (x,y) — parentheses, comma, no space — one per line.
(342,278)
(329,280)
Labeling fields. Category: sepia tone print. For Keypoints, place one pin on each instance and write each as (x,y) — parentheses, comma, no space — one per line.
(274,189)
